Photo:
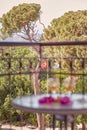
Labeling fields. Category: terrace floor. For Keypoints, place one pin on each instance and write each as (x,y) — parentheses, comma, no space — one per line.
(8,127)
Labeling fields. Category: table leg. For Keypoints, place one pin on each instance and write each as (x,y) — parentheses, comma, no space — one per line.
(54,123)
(60,125)
(72,125)
(65,122)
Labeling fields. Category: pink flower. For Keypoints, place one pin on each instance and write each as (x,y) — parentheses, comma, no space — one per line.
(46,100)
(65,100)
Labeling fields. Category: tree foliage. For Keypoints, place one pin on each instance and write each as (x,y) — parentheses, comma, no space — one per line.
(72,26)
(22,19)
(69,27)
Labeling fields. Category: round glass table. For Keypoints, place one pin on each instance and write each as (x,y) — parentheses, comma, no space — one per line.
(31,104)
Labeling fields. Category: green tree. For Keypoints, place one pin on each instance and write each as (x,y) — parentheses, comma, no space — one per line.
(72,26)
(22,20)
(69,27)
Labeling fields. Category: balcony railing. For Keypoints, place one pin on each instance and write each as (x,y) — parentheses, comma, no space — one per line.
(18,63)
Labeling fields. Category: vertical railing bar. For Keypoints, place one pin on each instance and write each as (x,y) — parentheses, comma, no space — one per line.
(71,66)
(40,54)
(60,66)
(30,75)
(20,70)
(10,100)
(9,82)
(40,60)
(83,67)
(83,91)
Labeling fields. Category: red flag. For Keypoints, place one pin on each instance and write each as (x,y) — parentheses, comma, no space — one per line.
(44,65)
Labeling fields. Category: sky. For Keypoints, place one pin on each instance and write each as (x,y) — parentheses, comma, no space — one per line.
(50,8)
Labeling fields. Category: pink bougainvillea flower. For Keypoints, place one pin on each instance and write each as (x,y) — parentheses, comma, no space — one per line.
(65,100)
(46,100)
